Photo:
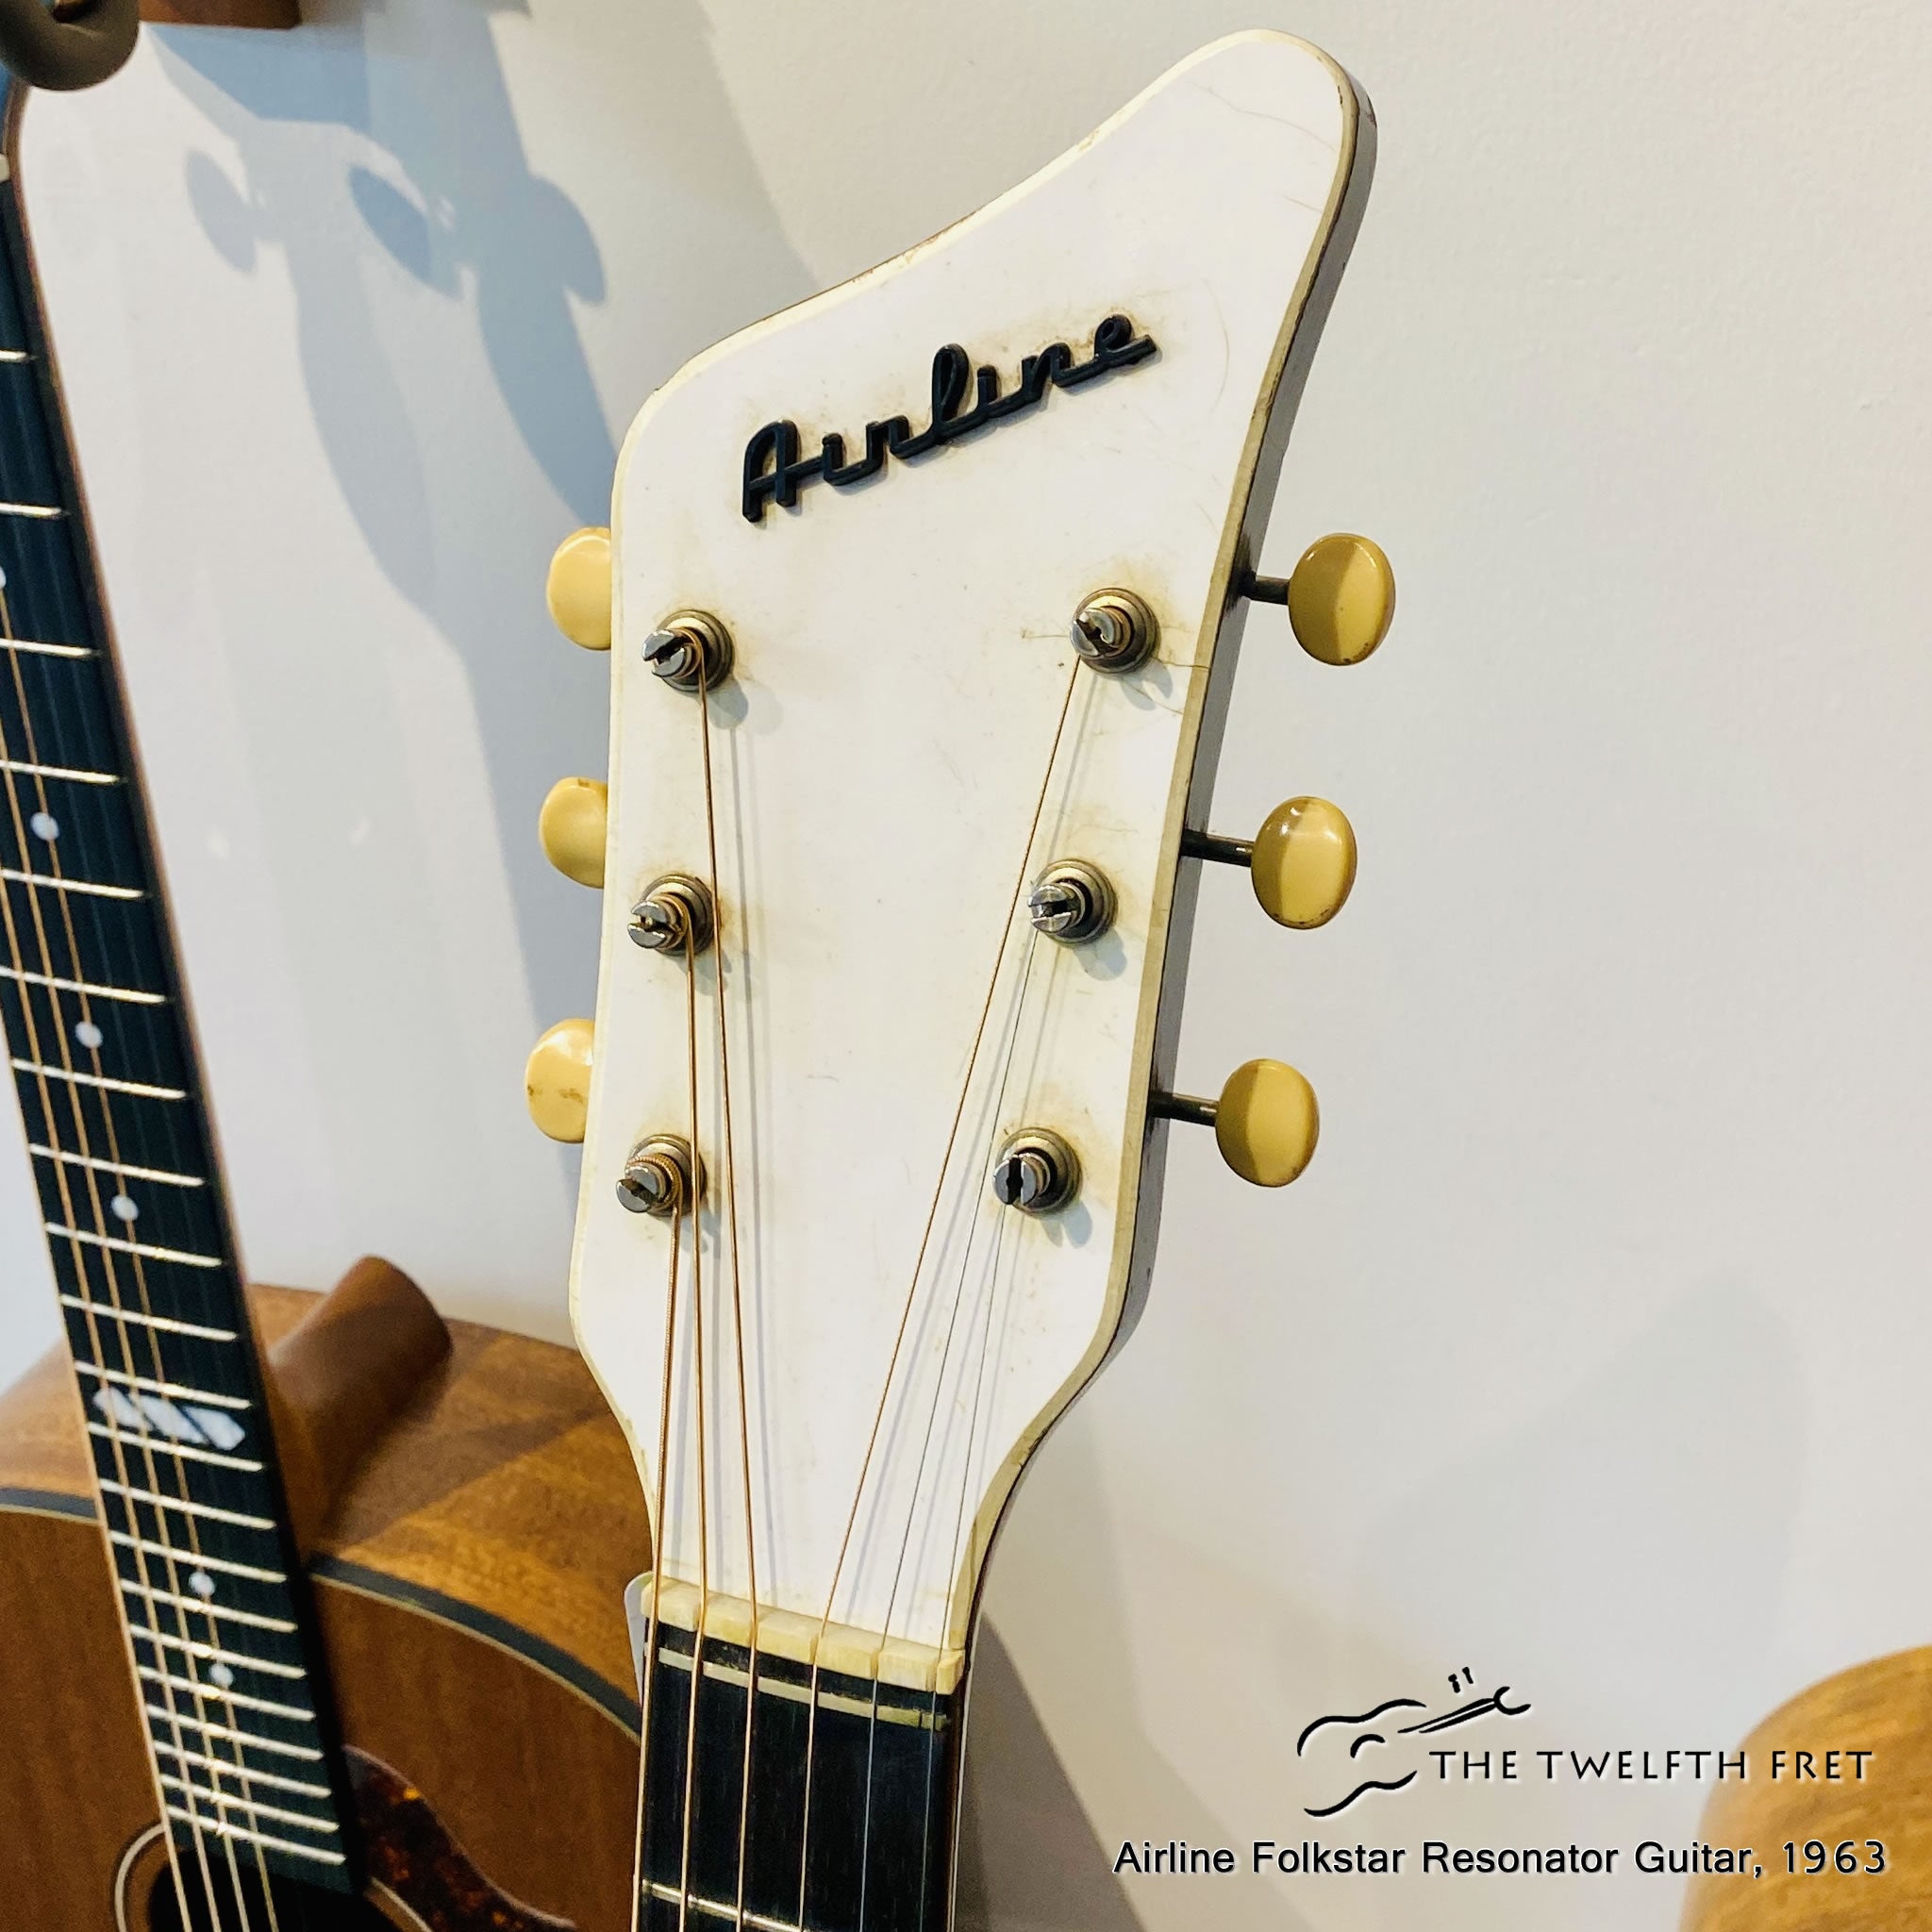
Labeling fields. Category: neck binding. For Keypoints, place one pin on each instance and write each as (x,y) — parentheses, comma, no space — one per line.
(219,1630)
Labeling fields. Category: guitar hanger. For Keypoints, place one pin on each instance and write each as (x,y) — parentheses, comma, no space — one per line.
(70,45)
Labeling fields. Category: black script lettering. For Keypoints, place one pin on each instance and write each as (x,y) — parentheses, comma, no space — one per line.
(775,468)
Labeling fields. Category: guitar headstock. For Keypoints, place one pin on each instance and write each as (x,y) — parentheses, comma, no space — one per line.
(923,600)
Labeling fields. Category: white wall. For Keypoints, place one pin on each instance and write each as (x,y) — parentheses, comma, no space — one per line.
(1590,1353)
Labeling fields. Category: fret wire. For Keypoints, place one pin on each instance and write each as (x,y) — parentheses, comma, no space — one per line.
(127,1247)
(138,1089)
(281,1626)
(719,1908)
(254,1838)
(84,987)
(267,1705)
(39,512)
(84,886)
(14,355)
(36,648)
(214,1514)
(156,1387)
(128,1167)
(186,1450)
(28,770)
(304,1752)
(164,1324)
(209,1653)
(263,1778)
(251,1572)
(254,1807)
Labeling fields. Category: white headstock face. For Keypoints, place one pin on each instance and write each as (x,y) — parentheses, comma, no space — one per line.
(834,1370)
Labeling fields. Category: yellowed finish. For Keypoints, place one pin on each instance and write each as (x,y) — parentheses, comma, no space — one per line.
(1267,1124)
(1303,866)
(1341,598)
(804,1639)
(1884,1708)
(557,1080)
(571,826)
(578,590)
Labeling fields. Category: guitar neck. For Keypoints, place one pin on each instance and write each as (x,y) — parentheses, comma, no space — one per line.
(843,1819)
(124,1160)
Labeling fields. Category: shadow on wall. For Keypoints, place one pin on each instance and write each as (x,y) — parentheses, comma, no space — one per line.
(443,485)
(1682,1456)
(1027,1854)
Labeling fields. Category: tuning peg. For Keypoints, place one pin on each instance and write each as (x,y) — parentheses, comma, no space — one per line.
(570,827)
(557,1080)
(579,588)
(1302,861)
(1341,598)
(1266,1121)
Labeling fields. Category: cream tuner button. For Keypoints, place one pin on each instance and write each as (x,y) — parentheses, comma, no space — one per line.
(1301,862)
(557,1080)
(579,588)
(1266,1121)
(1304,862)
(1341,598)
(570,827)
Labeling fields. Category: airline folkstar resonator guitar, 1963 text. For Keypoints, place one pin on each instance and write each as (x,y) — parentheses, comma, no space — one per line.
(922,601)
(326,1642)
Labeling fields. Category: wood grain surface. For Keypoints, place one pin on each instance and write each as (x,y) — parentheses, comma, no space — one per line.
(1884,1708)
(469,1583)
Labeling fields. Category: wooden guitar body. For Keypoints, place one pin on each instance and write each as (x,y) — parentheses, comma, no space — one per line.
(1883,1708)
(468,1580)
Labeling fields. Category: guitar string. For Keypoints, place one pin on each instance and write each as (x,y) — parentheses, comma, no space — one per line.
(979,1218)
(1000,1218)
(113,1148)
(117,1443)
(751,1560)
(653,1626)
(697,1320)
(919,1259)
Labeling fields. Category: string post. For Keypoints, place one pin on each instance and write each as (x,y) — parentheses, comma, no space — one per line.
(690,650)
(677,915)
(1036,1172)
(662,1177)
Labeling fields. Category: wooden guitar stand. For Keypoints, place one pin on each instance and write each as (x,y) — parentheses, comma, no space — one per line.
(469,1513)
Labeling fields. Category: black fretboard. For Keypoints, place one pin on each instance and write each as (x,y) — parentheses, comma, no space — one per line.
(845,1823)
(110,1090)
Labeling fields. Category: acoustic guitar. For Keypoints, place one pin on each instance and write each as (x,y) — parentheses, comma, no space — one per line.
(324,1640)
(1836,1807)
(922,602)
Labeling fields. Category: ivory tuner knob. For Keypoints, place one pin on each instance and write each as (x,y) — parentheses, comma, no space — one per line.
(1304,862)
(570,827)
(579,588)
(1341,598)
(1267,1122)
(557,1080)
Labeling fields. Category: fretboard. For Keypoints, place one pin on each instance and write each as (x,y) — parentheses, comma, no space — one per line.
(845,1822)
(104,1062)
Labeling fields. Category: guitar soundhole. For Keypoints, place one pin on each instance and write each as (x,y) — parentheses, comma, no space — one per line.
(238,1905)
